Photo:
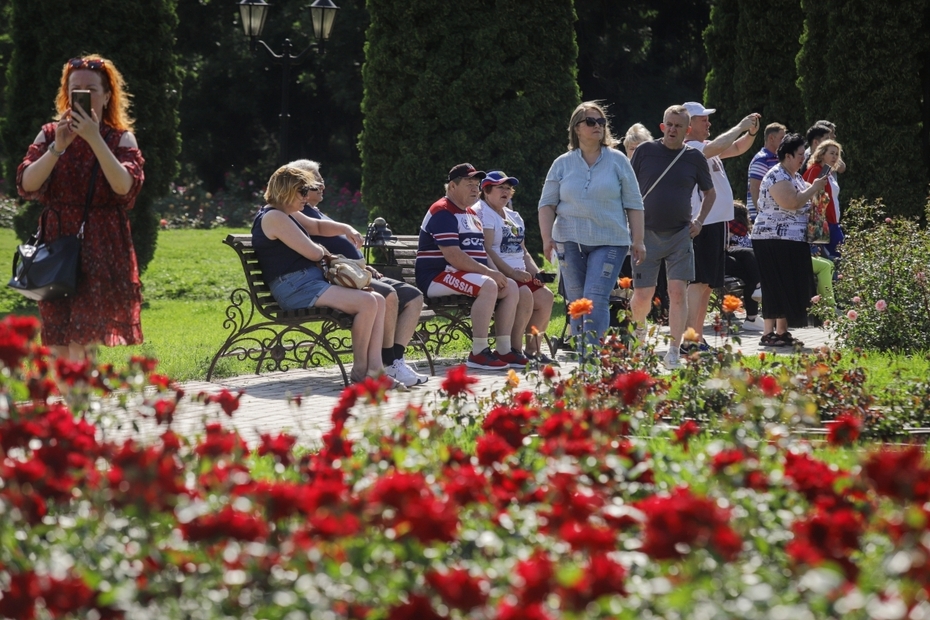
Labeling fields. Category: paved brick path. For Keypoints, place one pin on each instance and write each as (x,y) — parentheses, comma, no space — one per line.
(267,405)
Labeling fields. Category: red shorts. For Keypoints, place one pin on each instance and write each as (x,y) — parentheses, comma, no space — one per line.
(532,285)
(456,283)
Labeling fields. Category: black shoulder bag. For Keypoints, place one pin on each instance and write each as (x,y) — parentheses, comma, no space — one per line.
(45,271)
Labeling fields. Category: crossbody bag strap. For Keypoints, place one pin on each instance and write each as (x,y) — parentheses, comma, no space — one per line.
(669,167)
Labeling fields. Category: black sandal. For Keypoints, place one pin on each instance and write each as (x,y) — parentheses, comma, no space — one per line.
(787,340)
(769,340)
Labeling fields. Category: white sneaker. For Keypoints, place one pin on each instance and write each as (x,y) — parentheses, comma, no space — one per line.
(755,325)
(757,294)
(401,373)
(641,333)
(673,358)
(421,378)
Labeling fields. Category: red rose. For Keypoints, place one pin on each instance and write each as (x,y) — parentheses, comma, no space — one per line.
(457,381)
(458,588)
(844,430)
(492,449)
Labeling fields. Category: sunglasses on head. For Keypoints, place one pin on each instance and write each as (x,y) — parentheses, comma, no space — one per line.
(591,121)
(83,63)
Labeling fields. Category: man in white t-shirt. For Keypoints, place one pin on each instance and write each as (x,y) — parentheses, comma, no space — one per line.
(710,245)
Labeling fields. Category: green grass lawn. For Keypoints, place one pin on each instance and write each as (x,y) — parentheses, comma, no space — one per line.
(186,290)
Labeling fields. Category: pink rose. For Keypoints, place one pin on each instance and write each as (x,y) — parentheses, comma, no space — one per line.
(815,299)
(887,220)
(852,315)
(880,305)
(856,299)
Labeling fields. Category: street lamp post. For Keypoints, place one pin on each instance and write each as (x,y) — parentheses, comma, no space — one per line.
(253,13)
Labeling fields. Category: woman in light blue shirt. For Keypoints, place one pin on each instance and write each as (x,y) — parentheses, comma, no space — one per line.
(591,214)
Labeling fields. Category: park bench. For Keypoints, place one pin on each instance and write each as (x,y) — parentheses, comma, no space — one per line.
(276,339)
(443,319)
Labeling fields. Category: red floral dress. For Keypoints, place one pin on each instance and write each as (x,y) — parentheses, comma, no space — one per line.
(106,307)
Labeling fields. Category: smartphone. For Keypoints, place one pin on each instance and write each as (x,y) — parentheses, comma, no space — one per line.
(81,98)
(545,277)
(824,171)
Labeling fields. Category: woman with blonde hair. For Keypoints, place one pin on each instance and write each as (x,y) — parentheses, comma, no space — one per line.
(830,153)
(591,214)
(635,135)
(87,162)
(289,259)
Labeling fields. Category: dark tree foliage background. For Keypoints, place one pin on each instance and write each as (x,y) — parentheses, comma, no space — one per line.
(147,63)
(641,57)
(470,83)
(865,66)
(230,114)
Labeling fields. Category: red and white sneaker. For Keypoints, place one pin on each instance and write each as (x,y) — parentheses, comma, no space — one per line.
(487,360)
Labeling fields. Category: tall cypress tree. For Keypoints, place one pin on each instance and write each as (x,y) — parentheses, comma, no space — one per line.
(720,92)
(861,68)
(147,62)
(767,43)
(471,82)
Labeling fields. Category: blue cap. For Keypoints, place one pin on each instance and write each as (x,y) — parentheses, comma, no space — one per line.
(497,177)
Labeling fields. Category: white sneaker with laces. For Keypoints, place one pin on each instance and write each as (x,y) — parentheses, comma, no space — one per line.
(673,358)
(421,378)
(401,373)
(757,294)
(754,325)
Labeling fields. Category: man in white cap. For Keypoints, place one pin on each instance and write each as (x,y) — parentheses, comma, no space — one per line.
(710,244)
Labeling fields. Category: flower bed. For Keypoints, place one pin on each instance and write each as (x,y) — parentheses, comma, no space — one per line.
(572,499)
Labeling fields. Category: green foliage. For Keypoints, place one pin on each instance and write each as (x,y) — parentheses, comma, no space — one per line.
(721,55)
(230,114)
(884,282)
(641,56)
(461,86)
(855,72)
(147,62)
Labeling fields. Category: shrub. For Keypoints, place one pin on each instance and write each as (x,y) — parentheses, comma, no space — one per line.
(563,502)
(882,282)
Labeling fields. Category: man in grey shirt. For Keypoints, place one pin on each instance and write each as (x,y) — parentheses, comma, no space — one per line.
(667,176)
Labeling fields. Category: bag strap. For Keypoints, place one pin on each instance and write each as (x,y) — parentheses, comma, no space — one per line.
(87,202)
(669,167)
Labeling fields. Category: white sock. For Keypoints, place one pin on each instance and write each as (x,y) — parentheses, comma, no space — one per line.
(478,345)
(503,344)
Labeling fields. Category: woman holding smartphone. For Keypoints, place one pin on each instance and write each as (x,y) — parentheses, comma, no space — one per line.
(89,151)
(824,160)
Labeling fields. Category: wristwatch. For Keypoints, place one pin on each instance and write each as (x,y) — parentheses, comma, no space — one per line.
(51,149)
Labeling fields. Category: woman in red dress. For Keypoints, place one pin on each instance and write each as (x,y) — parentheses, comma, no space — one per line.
(57,172)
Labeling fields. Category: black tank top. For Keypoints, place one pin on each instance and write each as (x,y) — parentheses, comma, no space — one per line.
(274,256)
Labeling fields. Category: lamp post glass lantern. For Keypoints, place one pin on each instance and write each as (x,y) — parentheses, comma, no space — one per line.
(253,14)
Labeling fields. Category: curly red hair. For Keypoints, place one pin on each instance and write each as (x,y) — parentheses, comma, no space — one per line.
(116,113)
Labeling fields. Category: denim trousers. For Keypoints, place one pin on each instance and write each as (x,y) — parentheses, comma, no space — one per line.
(591,271)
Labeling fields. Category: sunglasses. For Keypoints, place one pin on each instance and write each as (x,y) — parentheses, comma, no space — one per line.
(590,121)
(306,189)
(83,63)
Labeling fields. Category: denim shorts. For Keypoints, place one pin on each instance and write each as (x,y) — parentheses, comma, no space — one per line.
(299,289)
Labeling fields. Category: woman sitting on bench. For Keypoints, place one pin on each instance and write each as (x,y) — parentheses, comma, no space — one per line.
(289,261)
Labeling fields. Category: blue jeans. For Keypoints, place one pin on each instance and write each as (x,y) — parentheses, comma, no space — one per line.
(591,271)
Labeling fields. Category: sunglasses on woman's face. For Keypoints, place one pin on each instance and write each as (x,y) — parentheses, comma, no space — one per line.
(83,63)
(591,121)
(303,191)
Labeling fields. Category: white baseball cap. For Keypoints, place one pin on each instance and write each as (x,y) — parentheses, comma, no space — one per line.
(696,109)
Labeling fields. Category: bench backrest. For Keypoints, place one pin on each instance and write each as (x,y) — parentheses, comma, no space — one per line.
(259,291)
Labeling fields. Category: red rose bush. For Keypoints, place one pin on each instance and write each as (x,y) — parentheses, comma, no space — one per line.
(592,496)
